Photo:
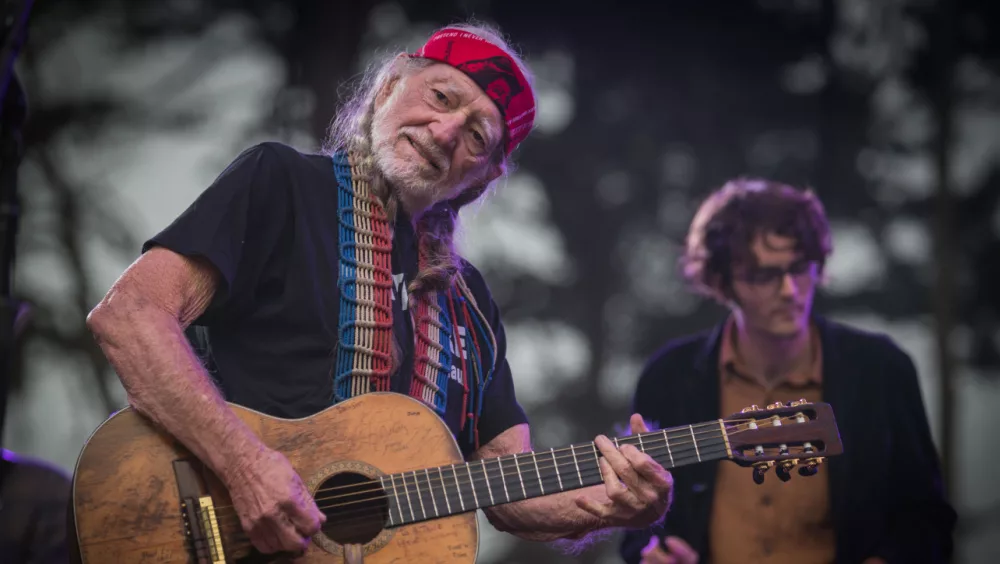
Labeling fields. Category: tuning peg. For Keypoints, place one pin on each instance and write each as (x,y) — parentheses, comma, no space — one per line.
(784,470)
(798,402)
(759,469)
(776,405)
(753,407)
(811,467)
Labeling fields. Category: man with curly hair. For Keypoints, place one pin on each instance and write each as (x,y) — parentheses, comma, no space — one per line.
(759,247)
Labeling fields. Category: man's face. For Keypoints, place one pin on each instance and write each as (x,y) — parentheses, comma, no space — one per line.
(434,134)
(776,293)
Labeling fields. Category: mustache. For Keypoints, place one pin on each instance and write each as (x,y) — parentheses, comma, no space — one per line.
(426,145)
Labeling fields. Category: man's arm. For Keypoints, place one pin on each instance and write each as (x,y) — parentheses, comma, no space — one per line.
(140,327)
(636,492)
(921,519)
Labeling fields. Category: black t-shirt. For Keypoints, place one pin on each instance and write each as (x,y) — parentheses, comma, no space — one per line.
(269,225)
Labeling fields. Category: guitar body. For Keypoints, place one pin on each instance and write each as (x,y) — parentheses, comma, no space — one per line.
(133,485)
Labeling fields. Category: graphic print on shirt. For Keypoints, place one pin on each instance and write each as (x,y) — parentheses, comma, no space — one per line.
(456,373)
(399,287)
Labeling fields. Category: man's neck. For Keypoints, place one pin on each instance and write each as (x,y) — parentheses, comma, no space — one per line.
(769,357)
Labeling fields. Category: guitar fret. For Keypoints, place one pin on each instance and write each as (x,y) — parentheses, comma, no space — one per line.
(431,490)
(555,465)
(395,493)
(381,481)
(695,440)
(517,464)
(537,473)
(503,479)
(454,474)
(472,485)
(725,437)
(667,441)
(416,486)
(489,488)
(444,491)
(576,464)
(597,461)
(406,491)
(642,448)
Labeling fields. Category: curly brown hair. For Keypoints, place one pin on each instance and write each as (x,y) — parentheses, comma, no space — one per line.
(731,217)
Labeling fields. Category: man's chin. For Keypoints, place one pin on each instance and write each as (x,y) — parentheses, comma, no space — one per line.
(787,330)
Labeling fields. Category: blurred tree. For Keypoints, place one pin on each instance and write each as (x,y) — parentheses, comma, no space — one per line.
(641,112)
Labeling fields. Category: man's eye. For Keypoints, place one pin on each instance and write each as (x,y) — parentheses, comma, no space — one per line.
(440,97)
(479,138)
(799,267)
(765,275)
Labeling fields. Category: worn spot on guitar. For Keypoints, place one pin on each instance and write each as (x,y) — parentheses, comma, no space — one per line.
(162,554)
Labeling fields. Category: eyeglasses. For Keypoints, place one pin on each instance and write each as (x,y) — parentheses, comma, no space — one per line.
(771,275)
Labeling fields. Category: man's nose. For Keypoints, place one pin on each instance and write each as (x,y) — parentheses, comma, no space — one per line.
(788,285)
(446,129)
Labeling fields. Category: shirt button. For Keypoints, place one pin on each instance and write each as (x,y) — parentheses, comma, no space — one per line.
(765,501)
(767,548)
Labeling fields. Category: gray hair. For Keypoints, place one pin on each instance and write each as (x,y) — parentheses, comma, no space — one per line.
(351,131)
(351,127)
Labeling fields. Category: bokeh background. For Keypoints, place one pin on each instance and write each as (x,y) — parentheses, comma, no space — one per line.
(889,109)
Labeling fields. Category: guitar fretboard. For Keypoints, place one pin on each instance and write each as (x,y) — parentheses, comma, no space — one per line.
(430,493)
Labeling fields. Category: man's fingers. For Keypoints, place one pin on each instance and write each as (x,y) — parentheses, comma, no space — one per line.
(652,482)
(620,464)
(306,520)
(681,550)
(265,539)
(593,507)
(645,467)
(637,424)
(653,553)
(288,538)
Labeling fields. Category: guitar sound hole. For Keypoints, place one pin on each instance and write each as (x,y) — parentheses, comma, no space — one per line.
(356,508)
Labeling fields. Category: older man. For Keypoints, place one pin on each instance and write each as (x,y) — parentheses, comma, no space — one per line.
(303,280)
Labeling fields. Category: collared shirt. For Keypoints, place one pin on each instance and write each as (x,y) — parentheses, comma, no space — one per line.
(775,522)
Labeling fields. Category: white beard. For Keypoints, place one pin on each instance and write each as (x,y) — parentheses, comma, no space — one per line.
(402,173)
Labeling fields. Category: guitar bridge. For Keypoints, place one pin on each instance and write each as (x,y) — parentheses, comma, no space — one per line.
(211,525)
(201,526)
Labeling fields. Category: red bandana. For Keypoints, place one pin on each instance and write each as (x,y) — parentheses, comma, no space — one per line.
(493,70)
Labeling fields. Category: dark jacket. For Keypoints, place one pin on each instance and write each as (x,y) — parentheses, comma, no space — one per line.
(886,493)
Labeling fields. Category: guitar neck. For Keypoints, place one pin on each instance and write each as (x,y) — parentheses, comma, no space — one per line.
(430,493)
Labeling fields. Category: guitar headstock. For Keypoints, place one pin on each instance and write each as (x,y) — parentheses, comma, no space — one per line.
(783,436)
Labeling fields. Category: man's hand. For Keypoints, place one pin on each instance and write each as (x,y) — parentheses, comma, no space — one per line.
(638,488)
(275,510)
(680,552)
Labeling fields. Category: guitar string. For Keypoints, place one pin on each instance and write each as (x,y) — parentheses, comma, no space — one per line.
(477,481)
(679,455)
(714,433)
(377,484)
(382,513)
(359,514)
(456,469)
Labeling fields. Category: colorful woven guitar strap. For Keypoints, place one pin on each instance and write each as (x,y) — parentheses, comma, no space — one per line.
(453,339)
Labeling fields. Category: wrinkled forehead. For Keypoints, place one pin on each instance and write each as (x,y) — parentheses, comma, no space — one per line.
(460,87)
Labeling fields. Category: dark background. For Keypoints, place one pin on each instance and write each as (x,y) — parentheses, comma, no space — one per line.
(136,106)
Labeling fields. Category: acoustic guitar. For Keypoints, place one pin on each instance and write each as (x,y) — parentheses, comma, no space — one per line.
(388,474)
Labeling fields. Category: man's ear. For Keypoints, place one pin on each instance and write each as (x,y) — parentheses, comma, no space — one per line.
(395,75)
(724,292)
